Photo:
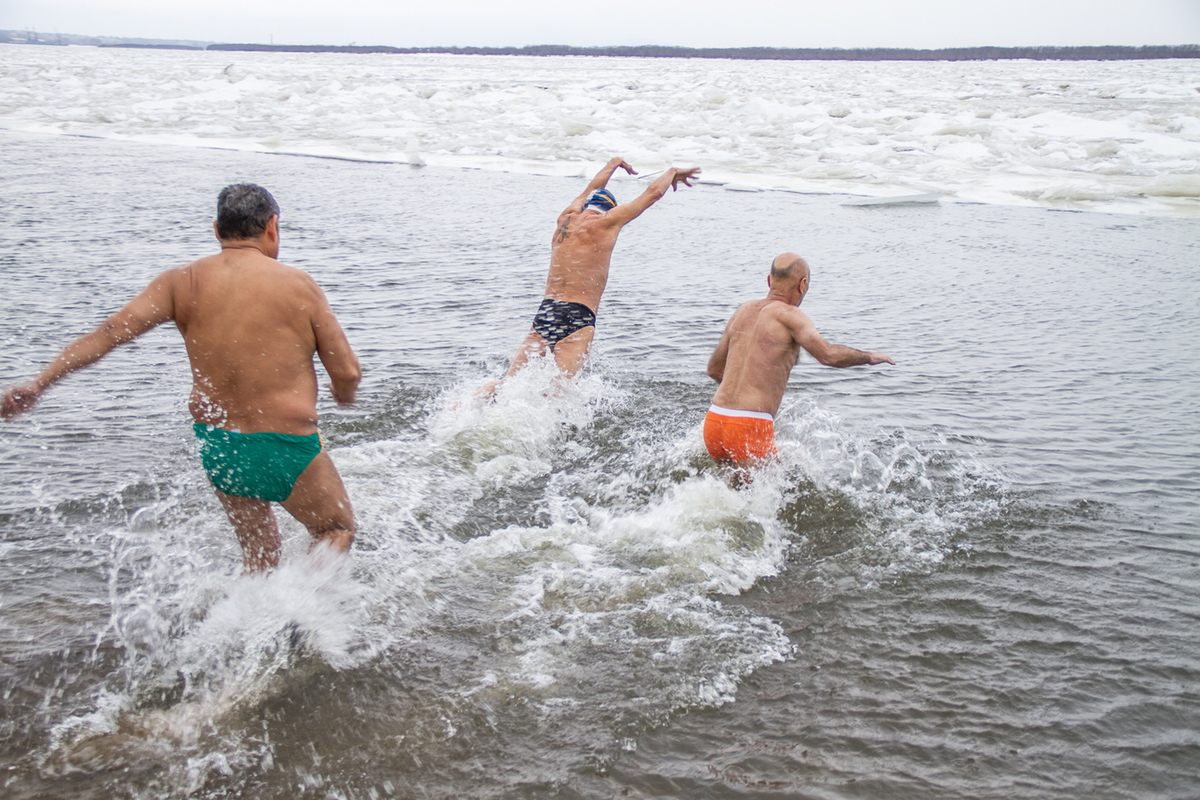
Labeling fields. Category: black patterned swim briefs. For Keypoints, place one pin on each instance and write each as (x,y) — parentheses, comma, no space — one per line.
(557,319)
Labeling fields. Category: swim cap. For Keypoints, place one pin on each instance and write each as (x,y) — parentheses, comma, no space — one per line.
(601,200)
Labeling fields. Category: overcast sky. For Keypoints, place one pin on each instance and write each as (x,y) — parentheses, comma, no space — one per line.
(688,23)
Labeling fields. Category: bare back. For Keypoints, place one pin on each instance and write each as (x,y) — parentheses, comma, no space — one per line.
(584,239)
(759,349)
(251,326)
(580,254)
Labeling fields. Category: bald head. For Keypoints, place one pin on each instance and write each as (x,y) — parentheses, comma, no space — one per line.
(788,268)
(789,277)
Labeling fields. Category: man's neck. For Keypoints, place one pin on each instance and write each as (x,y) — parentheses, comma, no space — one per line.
(258,247)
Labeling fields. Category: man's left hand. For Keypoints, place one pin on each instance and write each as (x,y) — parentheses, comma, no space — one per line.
(684,176)
(19,399)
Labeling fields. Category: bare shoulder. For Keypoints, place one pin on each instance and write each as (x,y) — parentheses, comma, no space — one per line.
(295,272)
(311,292)
(791,313)
(183,271)
(799,325)
(752,308)
(202,263)
(791,316)
(742,314)
(304,287)
(177,279)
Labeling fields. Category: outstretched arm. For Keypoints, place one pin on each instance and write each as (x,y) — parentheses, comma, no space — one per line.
(831,355)
(626,212)
(600,181)
(154,306)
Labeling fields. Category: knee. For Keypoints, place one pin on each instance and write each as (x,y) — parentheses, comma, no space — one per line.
(342,522)
(333,523)
(340,537)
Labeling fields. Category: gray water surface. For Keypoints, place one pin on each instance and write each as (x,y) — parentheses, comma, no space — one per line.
(974,574)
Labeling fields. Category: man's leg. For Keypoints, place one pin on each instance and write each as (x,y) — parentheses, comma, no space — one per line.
(254,523)
(571,353)
(532,345)
(319,501)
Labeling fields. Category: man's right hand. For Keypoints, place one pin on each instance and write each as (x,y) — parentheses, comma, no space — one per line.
(19,399)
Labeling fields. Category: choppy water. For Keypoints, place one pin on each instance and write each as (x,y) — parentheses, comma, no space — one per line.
(973,574)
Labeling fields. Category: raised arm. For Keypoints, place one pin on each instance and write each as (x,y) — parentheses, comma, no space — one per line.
(626,212)
(600,181)
(154,306)
(333,348)
(831,355)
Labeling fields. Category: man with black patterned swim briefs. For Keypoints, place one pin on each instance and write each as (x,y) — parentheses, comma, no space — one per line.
(580,252)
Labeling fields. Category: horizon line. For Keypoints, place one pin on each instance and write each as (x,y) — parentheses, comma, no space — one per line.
(33,37)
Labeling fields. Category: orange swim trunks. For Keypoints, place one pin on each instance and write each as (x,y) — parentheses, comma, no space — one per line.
(732,435)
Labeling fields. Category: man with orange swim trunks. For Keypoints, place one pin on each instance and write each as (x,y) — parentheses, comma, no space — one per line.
(754,358)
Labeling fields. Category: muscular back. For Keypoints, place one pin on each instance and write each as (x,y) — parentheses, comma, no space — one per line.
(579,256)
(760,347)
(251,326)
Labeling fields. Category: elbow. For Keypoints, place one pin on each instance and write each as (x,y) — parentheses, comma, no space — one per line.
(716,374)
(347,377)
(351,369)
(656,191)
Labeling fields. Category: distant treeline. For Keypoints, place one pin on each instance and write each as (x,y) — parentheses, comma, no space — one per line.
(137,46)
(1106,53)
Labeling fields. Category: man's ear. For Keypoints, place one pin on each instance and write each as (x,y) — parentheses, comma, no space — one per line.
(218,235)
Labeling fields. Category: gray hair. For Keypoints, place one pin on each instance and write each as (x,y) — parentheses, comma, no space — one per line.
(243,211)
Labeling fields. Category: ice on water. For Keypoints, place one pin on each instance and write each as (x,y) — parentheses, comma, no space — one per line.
(1121,135)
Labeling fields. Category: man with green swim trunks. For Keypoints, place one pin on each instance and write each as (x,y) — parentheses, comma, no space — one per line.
(251,326)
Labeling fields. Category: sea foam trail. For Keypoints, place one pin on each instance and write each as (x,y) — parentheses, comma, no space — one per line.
(1116,136)
(565,595)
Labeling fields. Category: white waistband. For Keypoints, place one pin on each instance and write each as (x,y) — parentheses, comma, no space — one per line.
(730,412)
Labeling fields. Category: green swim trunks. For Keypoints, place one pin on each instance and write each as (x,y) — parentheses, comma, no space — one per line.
(263,466)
